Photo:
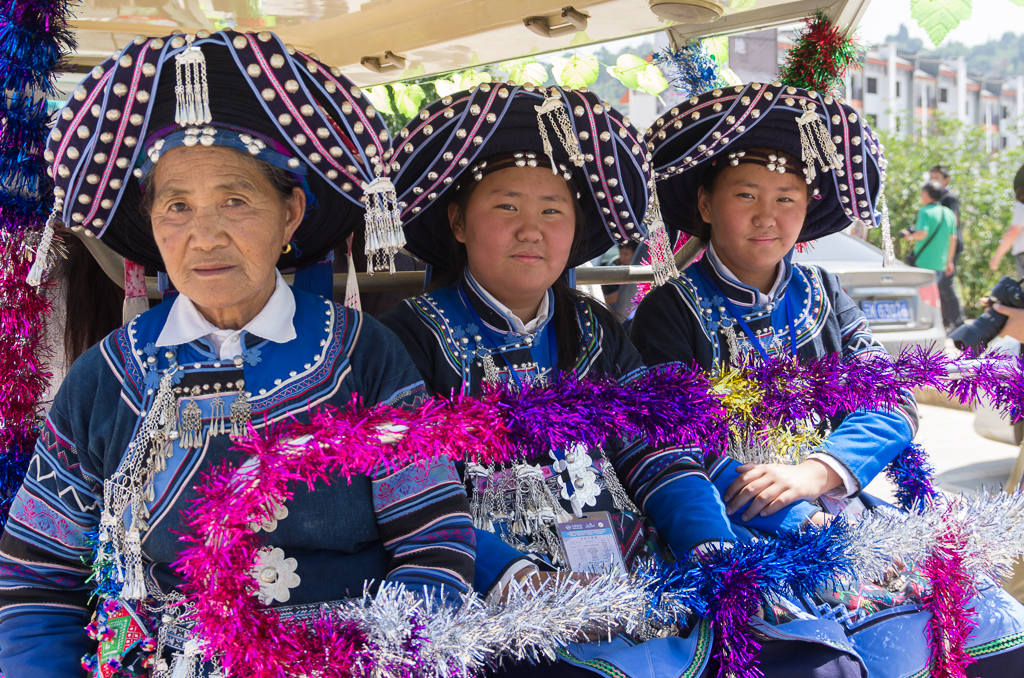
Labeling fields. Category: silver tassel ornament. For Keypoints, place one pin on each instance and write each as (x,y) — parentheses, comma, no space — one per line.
(41,261)
(815,143)
(352,282)
(190,90)
(888,255)
(662,260)
(554,107)
(384,234)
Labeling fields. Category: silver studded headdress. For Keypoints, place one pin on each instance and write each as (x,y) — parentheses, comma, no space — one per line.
(574,132)
(287,101)
(840,155)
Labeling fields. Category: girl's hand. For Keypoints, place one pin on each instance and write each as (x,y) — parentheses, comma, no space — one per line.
(771,487)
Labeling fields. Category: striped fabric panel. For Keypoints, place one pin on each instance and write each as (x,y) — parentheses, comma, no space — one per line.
(425,526)
(45,540)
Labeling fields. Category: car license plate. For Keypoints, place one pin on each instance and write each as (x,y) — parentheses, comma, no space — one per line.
(886,311)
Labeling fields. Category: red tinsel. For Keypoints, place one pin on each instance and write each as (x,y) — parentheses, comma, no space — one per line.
(820,56)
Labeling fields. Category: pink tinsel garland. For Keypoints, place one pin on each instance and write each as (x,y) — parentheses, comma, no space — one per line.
(949,602)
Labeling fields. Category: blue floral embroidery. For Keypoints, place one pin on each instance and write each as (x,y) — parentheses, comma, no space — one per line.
(252,356)
(150,349)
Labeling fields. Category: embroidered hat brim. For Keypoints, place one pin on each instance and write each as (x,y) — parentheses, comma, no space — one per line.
(435,152)
(315,117)
(691,139)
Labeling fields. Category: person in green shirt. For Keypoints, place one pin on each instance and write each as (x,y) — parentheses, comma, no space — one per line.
(934,231)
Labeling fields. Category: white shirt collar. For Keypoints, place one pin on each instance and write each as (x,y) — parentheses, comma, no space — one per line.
(762,298)
(517,323)
(274,322)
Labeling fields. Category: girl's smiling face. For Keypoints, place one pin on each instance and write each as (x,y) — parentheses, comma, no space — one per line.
(756,216)
(518,230)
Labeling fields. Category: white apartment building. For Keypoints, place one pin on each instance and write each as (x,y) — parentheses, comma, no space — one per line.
(899,92)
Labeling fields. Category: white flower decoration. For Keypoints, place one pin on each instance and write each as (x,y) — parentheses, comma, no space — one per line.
(276,576)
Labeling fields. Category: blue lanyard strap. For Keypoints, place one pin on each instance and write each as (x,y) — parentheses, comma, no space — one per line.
(737,315)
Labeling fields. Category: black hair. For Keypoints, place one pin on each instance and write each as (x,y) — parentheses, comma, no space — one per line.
(92,301)
(568,336)
(940,169)
(933,189)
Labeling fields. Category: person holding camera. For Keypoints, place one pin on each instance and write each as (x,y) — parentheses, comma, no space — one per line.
(1013,239)
(935,235)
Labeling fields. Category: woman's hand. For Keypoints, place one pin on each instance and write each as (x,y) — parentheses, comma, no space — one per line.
(1014,326)
(771,487)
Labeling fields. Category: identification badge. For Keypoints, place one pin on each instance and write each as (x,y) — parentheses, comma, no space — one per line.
(590,543)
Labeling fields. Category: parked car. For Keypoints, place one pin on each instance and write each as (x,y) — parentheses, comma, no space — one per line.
(901,302)
(988,423)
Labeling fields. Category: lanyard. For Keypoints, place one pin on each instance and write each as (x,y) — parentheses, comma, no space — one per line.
(737,315)
(491,344)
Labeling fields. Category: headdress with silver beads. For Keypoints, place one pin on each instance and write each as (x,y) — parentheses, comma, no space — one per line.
(841,156)
(573,132)
(155,87)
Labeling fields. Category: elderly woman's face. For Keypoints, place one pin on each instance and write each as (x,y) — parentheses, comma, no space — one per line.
(220,227)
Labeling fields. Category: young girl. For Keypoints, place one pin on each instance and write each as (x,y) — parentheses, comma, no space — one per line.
(749,172)
(502,231)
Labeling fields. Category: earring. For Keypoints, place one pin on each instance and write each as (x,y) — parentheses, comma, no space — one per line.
(286,249)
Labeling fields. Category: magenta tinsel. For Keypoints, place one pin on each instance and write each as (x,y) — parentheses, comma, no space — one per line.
(999,377)
(33,38)
(952,588)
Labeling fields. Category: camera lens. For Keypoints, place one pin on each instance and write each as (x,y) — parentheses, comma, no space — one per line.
(977,334)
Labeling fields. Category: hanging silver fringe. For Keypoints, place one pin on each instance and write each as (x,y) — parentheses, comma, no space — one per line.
(662,260)
(190,90)
(888,255)
(42,258)
(384,234)
(554,107)
(352,281)
(815,144)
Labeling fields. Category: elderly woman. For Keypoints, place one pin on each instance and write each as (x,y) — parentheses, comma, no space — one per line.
(268,177)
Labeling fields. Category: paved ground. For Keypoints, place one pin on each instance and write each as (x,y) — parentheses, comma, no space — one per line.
(963,460)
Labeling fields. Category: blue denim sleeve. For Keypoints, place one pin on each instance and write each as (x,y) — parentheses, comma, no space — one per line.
(493,558)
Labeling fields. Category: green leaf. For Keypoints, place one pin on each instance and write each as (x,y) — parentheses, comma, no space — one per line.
(522,71)
(939,17)
(408,98)
(470,79)
(651,80)
(627,69)
(718,48)
(445,87)
(580,38)
(1018,2)
(380,99)
(579,71)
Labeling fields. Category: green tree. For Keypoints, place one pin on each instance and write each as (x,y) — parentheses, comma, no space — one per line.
(982,181)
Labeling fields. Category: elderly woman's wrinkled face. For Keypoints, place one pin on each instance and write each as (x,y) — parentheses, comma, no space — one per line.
(220,226)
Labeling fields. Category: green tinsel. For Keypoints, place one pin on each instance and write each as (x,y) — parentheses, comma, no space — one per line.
(820,56)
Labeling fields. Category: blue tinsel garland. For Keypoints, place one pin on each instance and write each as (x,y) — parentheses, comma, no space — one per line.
(691,69)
